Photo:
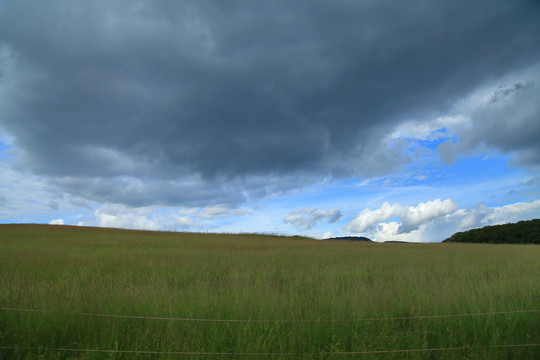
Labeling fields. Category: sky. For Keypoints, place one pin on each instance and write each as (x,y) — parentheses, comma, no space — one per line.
(393,120)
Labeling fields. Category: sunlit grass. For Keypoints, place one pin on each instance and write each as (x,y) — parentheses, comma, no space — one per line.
(181,275)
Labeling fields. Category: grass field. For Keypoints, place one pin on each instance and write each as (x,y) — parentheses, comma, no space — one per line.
(292,285)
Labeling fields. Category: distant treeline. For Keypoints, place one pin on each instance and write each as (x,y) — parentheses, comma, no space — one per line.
(351,238)
(523,232)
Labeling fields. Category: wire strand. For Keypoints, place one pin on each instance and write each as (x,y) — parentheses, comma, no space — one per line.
(268,320)
(269,353)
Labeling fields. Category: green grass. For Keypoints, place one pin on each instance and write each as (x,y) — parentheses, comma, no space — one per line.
(69,270)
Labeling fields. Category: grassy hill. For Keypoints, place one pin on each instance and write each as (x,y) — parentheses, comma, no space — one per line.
(90,293)
(523,232)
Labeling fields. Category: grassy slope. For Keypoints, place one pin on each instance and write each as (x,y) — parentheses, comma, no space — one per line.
(69,269)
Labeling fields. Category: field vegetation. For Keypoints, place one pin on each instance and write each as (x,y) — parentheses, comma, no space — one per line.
(311,299)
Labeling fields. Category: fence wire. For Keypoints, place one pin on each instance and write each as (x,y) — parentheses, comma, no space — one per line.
(150,352)
(419,317)
(254,354)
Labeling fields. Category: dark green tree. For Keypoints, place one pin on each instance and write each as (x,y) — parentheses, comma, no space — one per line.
(522,232)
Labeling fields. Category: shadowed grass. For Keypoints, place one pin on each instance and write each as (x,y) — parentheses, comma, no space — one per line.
(71,270)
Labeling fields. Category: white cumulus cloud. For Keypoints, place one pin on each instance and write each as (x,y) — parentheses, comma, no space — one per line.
(412,217)
(367,219)
(434,221)
(481,215)
(425,212)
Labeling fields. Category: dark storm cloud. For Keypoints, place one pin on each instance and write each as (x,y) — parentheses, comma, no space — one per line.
(97,92)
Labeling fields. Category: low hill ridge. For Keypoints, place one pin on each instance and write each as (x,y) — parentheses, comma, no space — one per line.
(351,238)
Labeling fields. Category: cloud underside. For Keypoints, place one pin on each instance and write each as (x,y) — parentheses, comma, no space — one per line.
(180,103)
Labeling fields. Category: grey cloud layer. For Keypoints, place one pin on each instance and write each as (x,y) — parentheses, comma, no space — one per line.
(510,123)
(305,219)
(97,92)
